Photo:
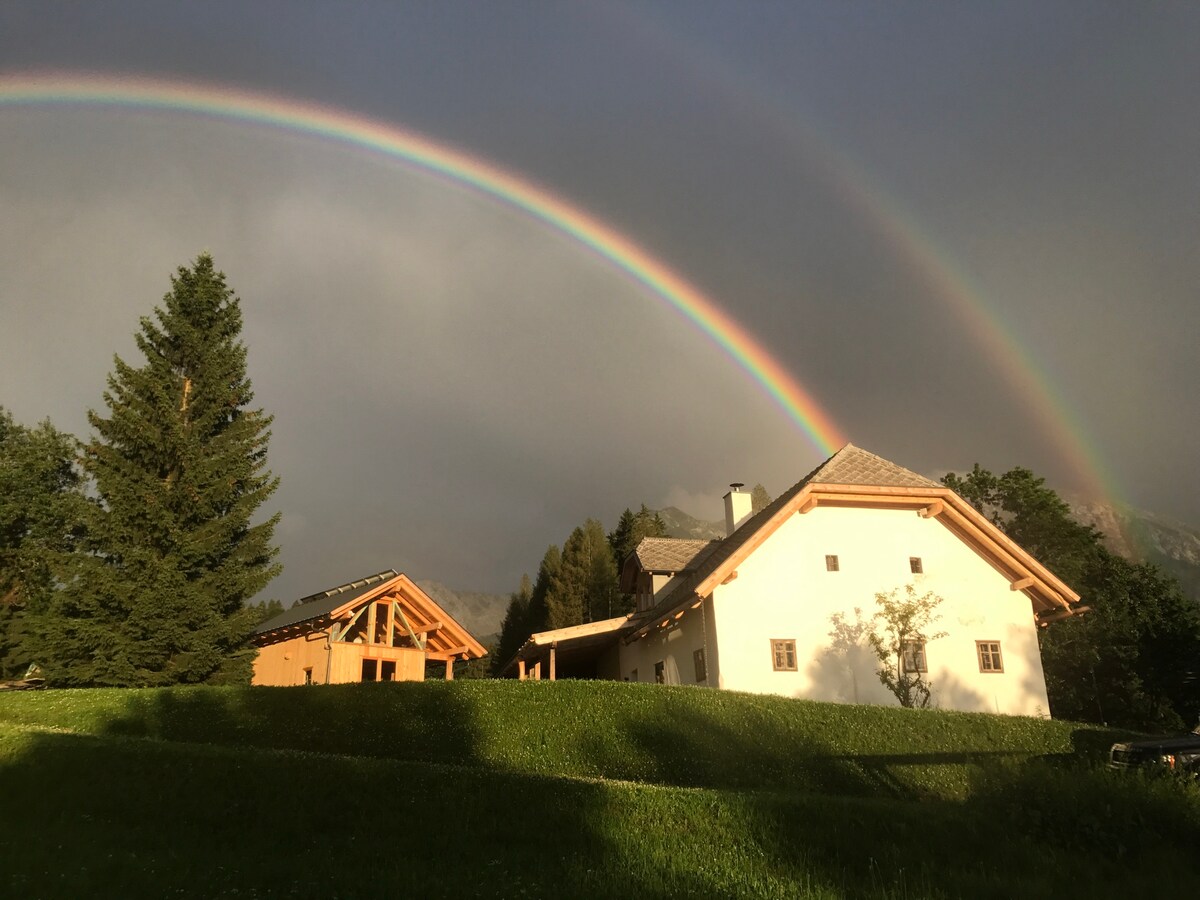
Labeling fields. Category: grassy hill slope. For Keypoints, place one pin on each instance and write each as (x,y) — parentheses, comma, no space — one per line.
(565,789)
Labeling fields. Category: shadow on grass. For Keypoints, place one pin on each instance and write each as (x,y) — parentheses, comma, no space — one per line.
(368,790)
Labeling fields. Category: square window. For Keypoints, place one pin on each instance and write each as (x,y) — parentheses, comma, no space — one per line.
(831,563)
(915,565)
(370,670)
(701,670)
(990,659)
(912,656)
(308,676)
(783,655)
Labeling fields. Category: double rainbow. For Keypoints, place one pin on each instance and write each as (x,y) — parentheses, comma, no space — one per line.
(537,202)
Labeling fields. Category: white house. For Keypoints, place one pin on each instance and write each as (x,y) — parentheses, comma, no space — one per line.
(772,607)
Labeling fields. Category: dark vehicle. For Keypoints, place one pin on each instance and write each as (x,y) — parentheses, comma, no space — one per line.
(1175,754)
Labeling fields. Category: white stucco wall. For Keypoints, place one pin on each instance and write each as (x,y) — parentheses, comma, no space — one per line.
(783,591)
(674,647)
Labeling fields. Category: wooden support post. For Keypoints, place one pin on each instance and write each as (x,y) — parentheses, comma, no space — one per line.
(537,671)
(520,670)
(350,624)
(391,624)
(450,669)
(371,624)
(552,660)
(417,642)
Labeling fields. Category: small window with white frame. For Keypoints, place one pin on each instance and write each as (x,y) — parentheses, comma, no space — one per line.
(831,563)
(912,655)
(783,655)
(990,658)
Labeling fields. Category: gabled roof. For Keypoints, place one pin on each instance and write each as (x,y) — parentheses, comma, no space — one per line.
(657,554)
(663,556)
(314,606)
(855,477)
(853,465)
(420,613)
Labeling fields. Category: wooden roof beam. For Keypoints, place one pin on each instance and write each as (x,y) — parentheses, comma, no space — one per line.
(933,510)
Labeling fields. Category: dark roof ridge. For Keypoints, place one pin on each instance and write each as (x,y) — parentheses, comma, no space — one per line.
(315,605)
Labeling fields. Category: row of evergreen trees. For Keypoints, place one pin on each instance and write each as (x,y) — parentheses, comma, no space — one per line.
(578,584)
(128,560)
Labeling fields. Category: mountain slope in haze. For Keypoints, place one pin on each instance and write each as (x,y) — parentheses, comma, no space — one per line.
(681,525)
(481,614)
(1147,537)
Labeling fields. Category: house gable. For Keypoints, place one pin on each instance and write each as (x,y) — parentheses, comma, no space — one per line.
(385,617)
(859,473)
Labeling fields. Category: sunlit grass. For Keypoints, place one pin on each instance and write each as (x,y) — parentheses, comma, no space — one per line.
(565,790)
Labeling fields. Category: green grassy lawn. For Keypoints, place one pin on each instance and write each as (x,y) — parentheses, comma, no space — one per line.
(572,789)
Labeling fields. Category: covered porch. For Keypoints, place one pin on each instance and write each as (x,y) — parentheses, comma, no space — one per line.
(581,651)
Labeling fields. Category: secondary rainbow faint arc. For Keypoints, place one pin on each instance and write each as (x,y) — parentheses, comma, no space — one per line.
(338,125)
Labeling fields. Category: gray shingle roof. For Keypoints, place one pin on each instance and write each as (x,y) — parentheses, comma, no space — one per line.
(655,554)
(853,465)
(316,605)
(850,465)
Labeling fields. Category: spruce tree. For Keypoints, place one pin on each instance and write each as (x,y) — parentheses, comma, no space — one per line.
(515,629)
(40,508)
(548,574)
(180,469)
(630,530)
(586,587)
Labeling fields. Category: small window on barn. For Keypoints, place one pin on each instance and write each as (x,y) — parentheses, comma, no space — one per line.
(915,565)
(831,563)
(701,669)
(660,672)
(783,655)
(990,659)
(387,670)
(308,675)
(912,655)
(370,670)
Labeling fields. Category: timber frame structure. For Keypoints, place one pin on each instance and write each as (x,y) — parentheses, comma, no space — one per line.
(379,628)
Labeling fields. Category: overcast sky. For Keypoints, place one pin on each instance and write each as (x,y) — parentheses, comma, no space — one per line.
(971,231)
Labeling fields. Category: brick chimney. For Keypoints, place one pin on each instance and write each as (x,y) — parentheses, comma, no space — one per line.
(737,507)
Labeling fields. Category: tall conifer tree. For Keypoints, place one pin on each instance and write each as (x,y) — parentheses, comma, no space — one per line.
(180,468)
(40,507)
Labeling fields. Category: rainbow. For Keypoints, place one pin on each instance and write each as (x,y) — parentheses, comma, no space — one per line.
(910,241)
(94,90)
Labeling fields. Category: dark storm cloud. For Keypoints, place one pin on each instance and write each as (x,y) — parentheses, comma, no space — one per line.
(455,387)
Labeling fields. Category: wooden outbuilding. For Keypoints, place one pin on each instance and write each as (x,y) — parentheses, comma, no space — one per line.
(379,628)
